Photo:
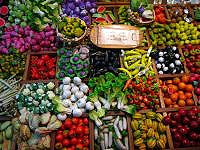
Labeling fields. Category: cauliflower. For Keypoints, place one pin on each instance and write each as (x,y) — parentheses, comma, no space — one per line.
(51,94)
(26,92)
(50,85)
(40,91)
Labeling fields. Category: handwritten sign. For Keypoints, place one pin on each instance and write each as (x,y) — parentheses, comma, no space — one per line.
(116,36)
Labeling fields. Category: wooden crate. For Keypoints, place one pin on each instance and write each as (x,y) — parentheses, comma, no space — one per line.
(162,94)
(26,76)
(130,136)
(170,135)
(91,135)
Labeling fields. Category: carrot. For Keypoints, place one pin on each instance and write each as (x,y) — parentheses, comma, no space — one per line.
(128,82)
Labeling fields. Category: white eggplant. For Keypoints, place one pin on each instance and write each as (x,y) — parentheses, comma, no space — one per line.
(116,128)
(79,94)
(74,89)
(61,117)
(126,142)
(106,140)
(67,102)
(77,80)
(89,106)
(77,112)
(120,125)
(95,133)
(110,139)
(73,98)
(124,123)
(97,104)
(66,88)
(81,103)
(107,118)
(66,80)
(84,88)
(66,94)
(120,145)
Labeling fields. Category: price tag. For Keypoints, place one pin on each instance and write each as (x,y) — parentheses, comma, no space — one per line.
(116,36)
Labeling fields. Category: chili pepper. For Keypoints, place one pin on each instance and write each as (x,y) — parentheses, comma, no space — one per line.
(42,67)
(128,82)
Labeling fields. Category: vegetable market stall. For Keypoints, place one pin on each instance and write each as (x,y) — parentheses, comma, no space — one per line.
(60,91)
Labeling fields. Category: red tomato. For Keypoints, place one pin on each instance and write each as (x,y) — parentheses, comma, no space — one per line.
(80,141)
(75,120)
(71,133)
(85,121)
(80,122)
(59,132)
(79,130)
(65,133)
(86,142)
(73,126)
(66,142)
(86,130)
(62,127)
(86,137)
(59,138)
(74,141)
(79,147)
(68,123)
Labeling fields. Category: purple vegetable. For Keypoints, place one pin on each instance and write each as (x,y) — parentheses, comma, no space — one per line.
(79,66)
(47,43)
(54,48)
(21,30)
(5,36)
(77,2)
(93,10)
(48,29)
(88,5)
(13,33)
(33,42)
(4,51)
(36,48)
(71,13)
(82,73)
(77,10)
(83,13)
(85,65)
(70,71)
(75,59)
(61,74)
(141,10)
(71,6)
(82,5)
(50,33)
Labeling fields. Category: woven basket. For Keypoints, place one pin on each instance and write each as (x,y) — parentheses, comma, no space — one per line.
(143,23)
(63,38)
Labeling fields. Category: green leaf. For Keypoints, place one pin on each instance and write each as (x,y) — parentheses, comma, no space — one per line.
(93,115)
(45,2)
(53,6)
(131,109)
(101,112)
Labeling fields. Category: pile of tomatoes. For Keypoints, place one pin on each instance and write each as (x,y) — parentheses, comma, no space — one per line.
(73,135)
(178,92)
(144,93)
(42,67)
